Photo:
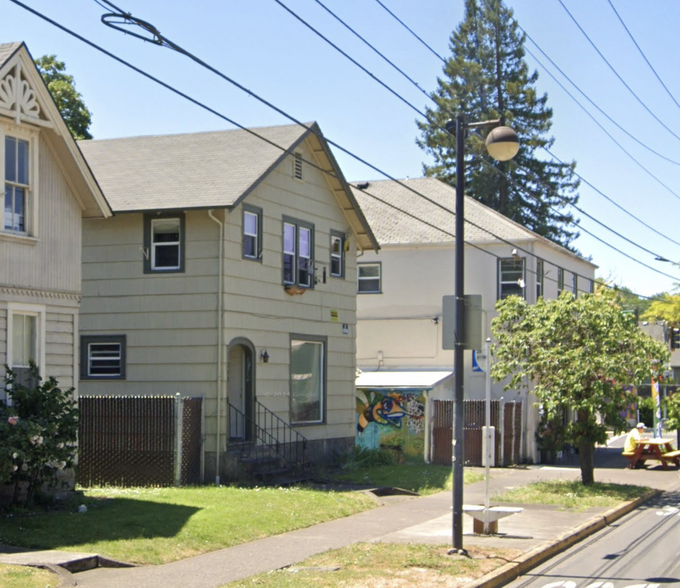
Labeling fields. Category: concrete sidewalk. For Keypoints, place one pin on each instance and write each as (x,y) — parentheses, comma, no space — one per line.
(399,519)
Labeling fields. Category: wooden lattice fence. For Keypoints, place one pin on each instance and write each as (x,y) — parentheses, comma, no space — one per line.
(508,431)
(139,441)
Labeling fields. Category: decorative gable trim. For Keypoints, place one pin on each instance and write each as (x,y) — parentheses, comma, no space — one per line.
(18,100)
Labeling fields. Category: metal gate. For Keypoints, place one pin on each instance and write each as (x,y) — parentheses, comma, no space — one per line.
(508,431)
(139,441)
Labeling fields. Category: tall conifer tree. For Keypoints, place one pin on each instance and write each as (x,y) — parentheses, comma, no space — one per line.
(487,78)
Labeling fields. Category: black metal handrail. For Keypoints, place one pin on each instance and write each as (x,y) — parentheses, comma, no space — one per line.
(268,436)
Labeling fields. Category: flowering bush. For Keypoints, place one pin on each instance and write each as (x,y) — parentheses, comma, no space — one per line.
(38,433)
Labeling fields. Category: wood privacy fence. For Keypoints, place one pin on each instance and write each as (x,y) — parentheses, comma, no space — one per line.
(139,441)
(508,431)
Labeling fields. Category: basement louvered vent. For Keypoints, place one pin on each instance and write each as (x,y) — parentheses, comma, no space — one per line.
(297,166)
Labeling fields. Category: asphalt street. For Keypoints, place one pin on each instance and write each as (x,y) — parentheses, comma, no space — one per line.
(638,551)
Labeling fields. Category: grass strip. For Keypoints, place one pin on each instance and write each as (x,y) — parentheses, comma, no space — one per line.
(160,525)
(419,477)
(378,565)
(572,495)
(25,577)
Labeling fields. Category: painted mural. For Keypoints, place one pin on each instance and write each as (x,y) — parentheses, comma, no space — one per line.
(391,419)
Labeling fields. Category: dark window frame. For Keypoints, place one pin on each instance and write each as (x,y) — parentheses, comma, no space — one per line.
(341,236)
(257,212)
(296,271)
(510,284)
(540,278)
(149,217)
(87,340)
(324,381)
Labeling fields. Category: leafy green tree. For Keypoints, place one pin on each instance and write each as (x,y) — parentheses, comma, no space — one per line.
(580,353)
(62,88)
(487,78)
(665,308)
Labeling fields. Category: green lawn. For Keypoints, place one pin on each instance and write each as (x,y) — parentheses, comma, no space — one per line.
(159,525)
(23,577)
(572,495)
(418,477)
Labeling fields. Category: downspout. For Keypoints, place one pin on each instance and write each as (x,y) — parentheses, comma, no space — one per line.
(220,334)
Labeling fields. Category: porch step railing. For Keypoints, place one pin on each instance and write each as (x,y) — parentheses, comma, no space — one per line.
(266,438)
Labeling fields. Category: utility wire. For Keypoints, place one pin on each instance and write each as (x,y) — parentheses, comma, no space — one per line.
(600,110)
(656,231)
(354,61)
(342,22)
(165,42)
(632,38)
(539,181)
(592,187)
(611,67)
(595,120)
(409,30)
(161,40)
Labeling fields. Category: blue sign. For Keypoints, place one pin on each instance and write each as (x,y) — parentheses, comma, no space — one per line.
(475,364)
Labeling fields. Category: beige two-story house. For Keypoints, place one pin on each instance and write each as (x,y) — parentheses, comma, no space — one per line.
(229,274)
(400,309)
(48,191)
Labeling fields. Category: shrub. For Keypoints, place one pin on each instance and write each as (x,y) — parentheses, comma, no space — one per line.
(38,433)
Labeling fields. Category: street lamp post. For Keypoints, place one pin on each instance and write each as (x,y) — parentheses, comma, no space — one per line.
(502,144)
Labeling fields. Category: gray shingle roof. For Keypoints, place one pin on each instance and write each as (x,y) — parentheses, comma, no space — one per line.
(198,170)
(6,51)
(387,206)
(393,225)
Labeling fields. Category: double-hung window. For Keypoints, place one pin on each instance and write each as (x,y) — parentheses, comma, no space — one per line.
(164,242)
(307,379)
(369,278)
(252,232)
(17,184)
(25,345)
(337,254)
(102,357)
(510,277)
(298,253)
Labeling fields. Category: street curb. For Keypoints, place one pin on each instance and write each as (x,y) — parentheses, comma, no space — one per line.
(530,559)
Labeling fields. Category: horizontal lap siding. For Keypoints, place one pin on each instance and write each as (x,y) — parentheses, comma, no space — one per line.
(169,320)
(258,308)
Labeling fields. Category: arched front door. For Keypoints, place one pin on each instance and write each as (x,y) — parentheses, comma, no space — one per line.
(240,389)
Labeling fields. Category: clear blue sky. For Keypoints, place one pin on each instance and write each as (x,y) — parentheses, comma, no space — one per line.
(264,48)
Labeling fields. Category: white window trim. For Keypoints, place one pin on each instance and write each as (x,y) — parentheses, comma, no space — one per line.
(379,278)
(37,310)
(32,201)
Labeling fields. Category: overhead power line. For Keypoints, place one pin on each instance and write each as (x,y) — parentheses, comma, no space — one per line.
(632,38)
(616,73)
(158,39)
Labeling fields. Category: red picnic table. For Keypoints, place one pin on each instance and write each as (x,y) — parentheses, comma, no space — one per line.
(656,449)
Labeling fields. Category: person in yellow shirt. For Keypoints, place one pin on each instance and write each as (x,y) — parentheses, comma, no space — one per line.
(634,438)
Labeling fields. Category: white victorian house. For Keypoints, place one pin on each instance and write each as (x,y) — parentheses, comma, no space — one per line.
(48,191)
